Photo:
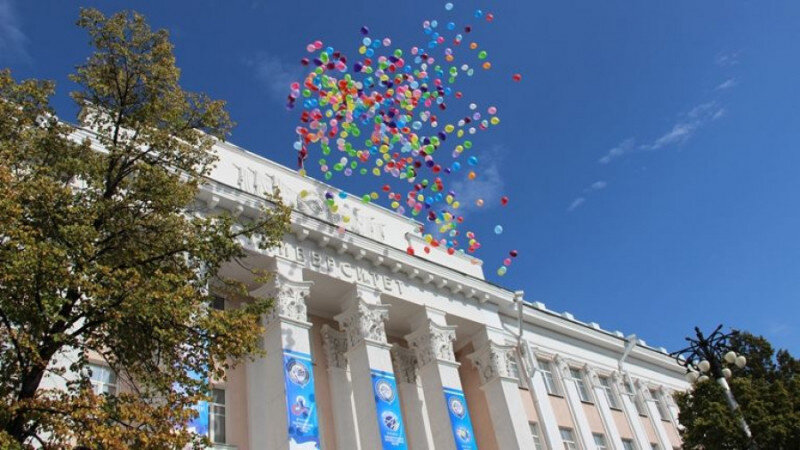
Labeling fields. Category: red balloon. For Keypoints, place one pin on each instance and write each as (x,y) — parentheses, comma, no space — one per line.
(513,253)
(504,200)
(410,251)
(516,77)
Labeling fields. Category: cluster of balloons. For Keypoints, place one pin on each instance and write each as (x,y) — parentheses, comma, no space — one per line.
(384,114)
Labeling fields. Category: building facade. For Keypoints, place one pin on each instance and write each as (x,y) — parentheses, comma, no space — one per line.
(369,346)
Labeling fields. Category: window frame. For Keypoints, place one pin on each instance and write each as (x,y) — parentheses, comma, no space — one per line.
(577,376)
(536,434)
(599,445)
(546,367)
(99,386)
(214,408)
(611,396)
(572,442)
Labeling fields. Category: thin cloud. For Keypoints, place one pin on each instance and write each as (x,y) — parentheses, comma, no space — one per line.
(274,73)
(596,186)
(687,125)
(576,203)
(13,41)
(727,84)
(488,185)
(727,59)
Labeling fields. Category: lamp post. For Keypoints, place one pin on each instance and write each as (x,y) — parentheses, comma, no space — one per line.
(705,357)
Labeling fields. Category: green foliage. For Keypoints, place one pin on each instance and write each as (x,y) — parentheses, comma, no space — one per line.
(768,392)
(100,255)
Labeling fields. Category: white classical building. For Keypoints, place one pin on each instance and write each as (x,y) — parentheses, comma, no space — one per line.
(370,347)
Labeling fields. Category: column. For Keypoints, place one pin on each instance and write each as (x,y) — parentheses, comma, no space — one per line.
(432,342)
(583,431)
(415,413)
(280,385)
(380,422)
(344,420)
(655,417)
(508,416)
(605,410)
(628,398)
(541,400)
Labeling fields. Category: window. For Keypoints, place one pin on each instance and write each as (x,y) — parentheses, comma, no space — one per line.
(600,441)
(103,379)
(216,416)
(546,367)
(662,408)
(218,303)
(568,437)
(513,367)
(580,383)
(640,408)
(605,383)
(537,437)
(655,446)
(627,444)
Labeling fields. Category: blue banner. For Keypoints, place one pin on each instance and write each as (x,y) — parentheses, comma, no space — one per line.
(301,403)
(459,419)
(390,419)
(199,424)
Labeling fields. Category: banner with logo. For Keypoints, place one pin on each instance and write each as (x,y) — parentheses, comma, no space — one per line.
(459,419)
(300,401)
(390,419)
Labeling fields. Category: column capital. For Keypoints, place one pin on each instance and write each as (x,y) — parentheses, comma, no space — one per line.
(493,361)
(405,364)
(594,378)
(289,297)
(433,342)
(334,343)
(364,322)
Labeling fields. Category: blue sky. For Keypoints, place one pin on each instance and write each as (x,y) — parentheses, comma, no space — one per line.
(650,152)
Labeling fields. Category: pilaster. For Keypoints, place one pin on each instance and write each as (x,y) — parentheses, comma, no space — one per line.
(415,412)
(274,423)
(334,343)
(575,404)
(628,397)
(377,404)
(509,420)
(605,409)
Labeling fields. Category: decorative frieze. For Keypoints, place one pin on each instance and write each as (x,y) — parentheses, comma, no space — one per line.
(405,364)
(364,322)
(433,343)
(494,361)
(334,343)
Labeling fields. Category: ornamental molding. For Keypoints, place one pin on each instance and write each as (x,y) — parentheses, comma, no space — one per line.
(334,343)
(433,343)
(494,361)
(405,364)
(289,299)
(364,322)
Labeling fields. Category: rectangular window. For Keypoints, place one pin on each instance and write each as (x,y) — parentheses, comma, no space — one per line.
(660,405)
(640,408)
(546,367)
(216,416)
(537,437)
(600,441)
(218,303)
(513,367)
(580,383)
(605,383)
(654,446)
(568,437)
(627,444)
(103,379)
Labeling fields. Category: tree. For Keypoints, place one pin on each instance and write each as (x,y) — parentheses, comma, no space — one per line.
(101,253)
(768,392)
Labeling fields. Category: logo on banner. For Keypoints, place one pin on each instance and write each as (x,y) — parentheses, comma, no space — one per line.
(385,391)
(298,373)
(457,407)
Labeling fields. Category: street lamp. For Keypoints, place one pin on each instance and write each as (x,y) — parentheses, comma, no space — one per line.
(705,358)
